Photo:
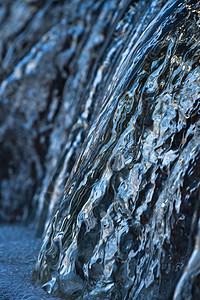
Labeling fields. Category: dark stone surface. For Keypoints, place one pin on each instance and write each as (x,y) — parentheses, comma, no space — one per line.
(100,135)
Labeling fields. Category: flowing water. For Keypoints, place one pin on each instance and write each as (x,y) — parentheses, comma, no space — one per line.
(121,210)
(123,228)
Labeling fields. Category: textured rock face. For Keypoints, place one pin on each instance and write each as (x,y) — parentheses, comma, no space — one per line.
(102,112)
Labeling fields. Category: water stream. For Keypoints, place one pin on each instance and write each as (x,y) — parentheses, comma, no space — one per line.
(123,227)
(112,143)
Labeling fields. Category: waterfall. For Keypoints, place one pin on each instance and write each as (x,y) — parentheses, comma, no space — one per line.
(100,143)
